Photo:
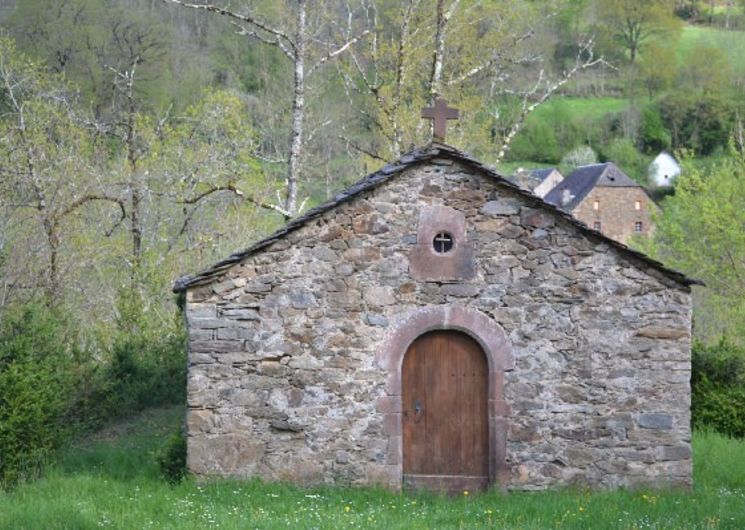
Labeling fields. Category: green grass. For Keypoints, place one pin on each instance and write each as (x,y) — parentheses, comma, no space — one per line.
(509,167)
(732,43)
(111,481)
(588,108)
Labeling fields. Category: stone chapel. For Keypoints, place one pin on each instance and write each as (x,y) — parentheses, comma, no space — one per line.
(436,326)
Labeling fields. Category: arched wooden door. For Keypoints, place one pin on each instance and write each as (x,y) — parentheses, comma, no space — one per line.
(445,416)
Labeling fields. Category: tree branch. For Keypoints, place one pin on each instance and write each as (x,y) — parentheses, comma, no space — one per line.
(263,26)
(361,149)
(581,63)
(238,193)
(90,198)
(338,51)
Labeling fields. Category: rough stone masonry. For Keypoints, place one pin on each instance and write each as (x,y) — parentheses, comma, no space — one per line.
(289,378)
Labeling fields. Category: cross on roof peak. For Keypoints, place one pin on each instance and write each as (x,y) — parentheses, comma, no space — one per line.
(440,113)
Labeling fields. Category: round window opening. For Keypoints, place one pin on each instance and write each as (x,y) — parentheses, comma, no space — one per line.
(443,242)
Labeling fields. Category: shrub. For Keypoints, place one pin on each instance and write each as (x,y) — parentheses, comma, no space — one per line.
(537,143)
(579,156)
(718,385)
(143,365)
(653,136)
(172,458)
(140,372)
(35,388)
(623,153)
(699,122)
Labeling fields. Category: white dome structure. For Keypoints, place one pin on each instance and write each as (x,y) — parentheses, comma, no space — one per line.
(663,171)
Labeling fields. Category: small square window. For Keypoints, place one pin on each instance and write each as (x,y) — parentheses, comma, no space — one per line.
(637,205)
(638,226)
(596,205)
(597,226)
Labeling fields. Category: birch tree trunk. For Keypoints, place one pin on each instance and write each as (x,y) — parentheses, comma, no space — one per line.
(298,113)
(443,17)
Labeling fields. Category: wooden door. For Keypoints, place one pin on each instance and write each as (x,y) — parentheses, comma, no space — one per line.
(445,419)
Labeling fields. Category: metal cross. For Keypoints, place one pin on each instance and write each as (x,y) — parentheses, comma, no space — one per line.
(440,113)
(443,242)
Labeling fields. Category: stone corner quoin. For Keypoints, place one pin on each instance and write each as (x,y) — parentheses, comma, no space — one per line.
(295,352)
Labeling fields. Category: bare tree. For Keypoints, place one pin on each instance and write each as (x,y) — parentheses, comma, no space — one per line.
(543,89)
(45,176)
(474,52)
(300,46)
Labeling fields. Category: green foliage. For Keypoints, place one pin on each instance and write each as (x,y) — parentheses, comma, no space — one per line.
(707,69)
(623,153)
(536,142)
(142,372)
(702,123)
(635,23)
(562,124)
(700,231)
(144,366)
(35,390)
(657,67)
(730,43)
(718,385)
(653,136)
(172,458)
(579,156)
(50,390)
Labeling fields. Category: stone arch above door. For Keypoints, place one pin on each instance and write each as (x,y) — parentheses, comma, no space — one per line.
(491,337)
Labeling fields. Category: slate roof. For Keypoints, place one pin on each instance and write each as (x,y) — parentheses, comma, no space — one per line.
(531,178)
(418,156)
(583,179)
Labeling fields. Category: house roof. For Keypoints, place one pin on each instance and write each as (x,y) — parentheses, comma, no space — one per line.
(665,154)
(531,178)
(418,156)
(583,179)
(543,173)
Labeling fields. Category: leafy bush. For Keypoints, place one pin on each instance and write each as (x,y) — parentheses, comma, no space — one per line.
(145,365)
(50,389)
(623,153)
(172,459)
(653,136)
(35,390)
(718,384)
(699,122)
(139,372)
(579,156)
(536,142)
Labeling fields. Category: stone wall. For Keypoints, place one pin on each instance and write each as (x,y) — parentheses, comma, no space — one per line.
(284,383)
(617,212)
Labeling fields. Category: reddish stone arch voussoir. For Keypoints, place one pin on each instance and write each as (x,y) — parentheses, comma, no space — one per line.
(493,340)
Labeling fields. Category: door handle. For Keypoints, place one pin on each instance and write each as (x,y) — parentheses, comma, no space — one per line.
(418,409)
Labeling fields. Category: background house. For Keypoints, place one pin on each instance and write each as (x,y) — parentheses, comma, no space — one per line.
(663,170)
(539,181)
(606,199)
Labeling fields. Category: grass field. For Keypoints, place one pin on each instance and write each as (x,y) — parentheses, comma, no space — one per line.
(586,108)
(732,43)
(111,481)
